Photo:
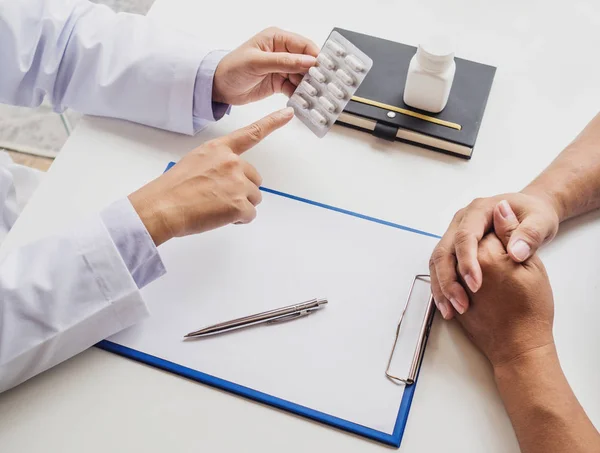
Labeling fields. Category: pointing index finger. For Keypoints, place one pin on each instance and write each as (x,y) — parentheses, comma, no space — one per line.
(245,138)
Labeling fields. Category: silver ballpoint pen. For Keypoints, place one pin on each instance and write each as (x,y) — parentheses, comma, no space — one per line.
(268,317)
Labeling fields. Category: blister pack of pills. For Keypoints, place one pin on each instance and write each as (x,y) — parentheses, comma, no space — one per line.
(324,92)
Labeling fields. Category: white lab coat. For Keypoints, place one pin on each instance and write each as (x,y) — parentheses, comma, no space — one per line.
(17,184)
(62,294)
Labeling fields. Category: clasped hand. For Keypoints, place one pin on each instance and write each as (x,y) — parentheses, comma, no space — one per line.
(512,312)
(454,265)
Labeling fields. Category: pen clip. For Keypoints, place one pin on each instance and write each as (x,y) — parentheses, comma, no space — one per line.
(285,318)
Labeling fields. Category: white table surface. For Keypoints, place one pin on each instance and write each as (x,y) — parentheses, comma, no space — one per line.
(546,89)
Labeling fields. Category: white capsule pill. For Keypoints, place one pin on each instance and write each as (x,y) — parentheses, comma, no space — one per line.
(318,117)
(354,63)
(316,74)
(311,90)
(298,99)
(337,49)
(345,77)
(325,61)
(327,104)
(336,90)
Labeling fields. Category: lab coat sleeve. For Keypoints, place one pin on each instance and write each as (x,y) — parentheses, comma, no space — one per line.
(59,296)
(204,108)
(91,59)
(133,242)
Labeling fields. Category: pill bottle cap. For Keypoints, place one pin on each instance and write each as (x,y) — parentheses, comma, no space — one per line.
(436,53)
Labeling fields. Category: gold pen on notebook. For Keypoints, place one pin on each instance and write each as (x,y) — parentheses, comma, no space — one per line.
(288,313)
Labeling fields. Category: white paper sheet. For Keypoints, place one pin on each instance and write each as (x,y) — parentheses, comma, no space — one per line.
(332,361)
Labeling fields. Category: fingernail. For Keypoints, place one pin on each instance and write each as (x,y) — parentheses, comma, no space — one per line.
(287,112)
(307,61)
(459,308)
(506,211)
(521,250)
(470,281)
(444,310)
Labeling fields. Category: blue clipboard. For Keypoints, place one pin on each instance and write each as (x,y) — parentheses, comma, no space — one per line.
(393,439)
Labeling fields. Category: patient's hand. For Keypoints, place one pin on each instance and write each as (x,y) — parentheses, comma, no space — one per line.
(510,321)
(513,311)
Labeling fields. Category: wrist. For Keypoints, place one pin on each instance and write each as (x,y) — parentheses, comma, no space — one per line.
(217,93)
(533,360)
(152,217)
(217,97)
(550,197)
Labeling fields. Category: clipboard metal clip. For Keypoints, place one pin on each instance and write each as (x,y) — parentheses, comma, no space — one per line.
(424,332)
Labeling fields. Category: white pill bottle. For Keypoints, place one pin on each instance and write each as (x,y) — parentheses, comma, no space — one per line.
(430,75)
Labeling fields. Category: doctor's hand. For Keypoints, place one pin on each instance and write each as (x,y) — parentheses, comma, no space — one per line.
(273,61)
(454,261)
(512,313)
(209,188)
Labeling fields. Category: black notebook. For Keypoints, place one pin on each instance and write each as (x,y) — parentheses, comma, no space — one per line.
(377,105)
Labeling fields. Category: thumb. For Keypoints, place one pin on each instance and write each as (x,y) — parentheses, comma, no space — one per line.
(521,239)
(505,222)
(528,237)
(245,138)
(283,62)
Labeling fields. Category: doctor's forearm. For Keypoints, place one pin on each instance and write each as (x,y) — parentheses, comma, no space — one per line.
(61,295)
(543,409)
(87,57)
(572,181)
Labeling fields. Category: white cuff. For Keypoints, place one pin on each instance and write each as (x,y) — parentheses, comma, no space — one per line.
(205,110)
(97,248)
(133,242)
